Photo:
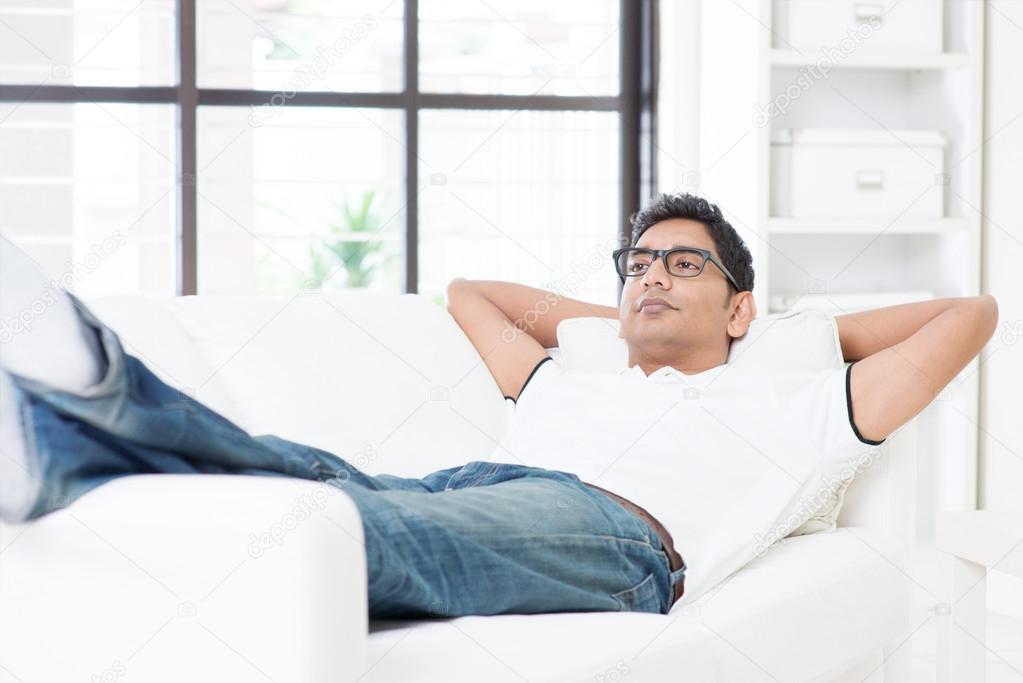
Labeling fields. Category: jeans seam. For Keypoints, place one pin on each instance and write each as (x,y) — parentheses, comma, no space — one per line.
(648,531)
(32,460)
(645,586)
(599,537)
(663,595)
(477,479)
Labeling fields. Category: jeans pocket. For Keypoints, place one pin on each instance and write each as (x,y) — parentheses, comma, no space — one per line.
(642,597)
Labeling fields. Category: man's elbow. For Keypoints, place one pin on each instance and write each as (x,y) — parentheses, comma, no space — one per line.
(987,308)
(991,308)
(457,282)
(992,304)
(455,286)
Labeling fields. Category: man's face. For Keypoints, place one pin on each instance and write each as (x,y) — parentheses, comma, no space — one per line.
(699,308)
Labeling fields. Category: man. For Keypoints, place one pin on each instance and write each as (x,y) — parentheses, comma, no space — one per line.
(621,465)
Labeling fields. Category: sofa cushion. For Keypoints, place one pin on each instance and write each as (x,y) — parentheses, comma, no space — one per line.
(740,631)
(388,382)
(150,332)
(796,340)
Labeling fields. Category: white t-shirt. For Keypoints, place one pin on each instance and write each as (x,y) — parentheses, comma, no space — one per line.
(729,462)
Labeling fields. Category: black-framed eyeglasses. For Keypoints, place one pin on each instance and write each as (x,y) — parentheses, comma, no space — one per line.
(679,261)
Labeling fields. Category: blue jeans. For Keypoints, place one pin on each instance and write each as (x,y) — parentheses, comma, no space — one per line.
(481,538)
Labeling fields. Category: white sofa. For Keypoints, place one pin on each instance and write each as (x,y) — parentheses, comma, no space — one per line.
(236,578)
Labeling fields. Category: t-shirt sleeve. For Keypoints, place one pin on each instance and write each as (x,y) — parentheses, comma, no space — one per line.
(819,404)
(540,375)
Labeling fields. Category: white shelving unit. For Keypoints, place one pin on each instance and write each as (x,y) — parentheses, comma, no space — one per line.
(895,61)
(753,82)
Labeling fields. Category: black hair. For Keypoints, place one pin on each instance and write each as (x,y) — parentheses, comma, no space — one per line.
(731,248)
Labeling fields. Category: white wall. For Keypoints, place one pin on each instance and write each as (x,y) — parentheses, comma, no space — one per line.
(1001,433)
(1001,437)
(678,129)
(1001,443)
(1000,480)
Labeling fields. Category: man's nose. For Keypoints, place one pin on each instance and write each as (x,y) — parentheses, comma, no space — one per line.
(656,274)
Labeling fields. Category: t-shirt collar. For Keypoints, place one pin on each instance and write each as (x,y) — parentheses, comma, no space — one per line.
(667,373)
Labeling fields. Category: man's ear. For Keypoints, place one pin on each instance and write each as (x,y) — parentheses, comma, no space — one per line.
(744,312)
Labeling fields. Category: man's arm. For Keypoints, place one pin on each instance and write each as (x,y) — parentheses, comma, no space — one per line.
(510,354)
(536,312)
(905,355)
(512,325)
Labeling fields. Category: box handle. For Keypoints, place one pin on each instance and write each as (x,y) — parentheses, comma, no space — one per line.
(869,12)
(870,179)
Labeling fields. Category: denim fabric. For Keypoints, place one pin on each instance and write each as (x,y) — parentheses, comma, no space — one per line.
(480,538)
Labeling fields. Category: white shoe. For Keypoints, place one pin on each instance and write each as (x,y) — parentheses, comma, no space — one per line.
(19,482)
(41,335)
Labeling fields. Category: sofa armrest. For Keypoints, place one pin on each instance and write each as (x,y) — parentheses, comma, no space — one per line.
(185,577)
(883,494)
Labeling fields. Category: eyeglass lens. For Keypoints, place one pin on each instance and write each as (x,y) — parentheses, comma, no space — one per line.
(683,263)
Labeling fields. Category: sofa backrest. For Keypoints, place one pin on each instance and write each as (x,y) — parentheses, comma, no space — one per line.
(390,382)
(150,332)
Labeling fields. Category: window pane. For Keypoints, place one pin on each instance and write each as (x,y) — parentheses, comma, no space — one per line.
(88,191)
(87,42)
(300,45)
(527,196)
(311,197)
(519,47)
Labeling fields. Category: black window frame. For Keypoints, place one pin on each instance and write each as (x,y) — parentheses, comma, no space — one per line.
(635,103)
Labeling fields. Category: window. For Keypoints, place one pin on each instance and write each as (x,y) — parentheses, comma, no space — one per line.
(279,145)
(524,196)
(87,42)
(309,198)
(519,48)
(88,191)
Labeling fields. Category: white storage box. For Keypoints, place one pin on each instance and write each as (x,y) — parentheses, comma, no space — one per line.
(830,173)
(842,27)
